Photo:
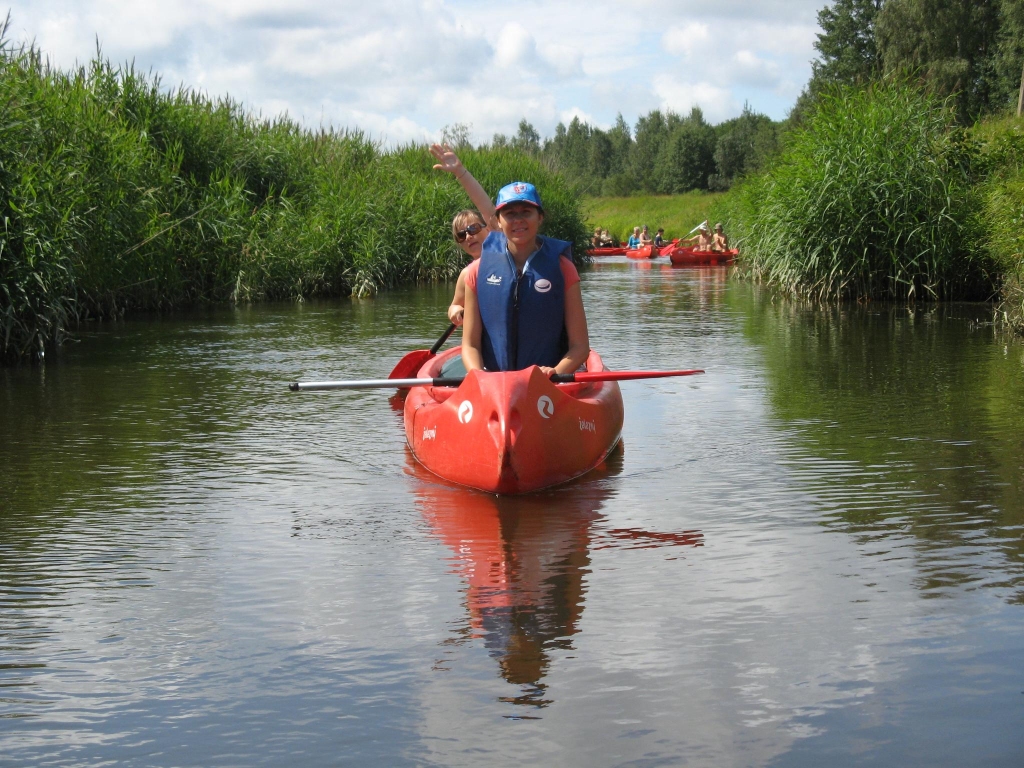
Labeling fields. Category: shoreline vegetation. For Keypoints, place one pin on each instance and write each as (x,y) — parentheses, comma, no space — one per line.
(874,198)
(118,195)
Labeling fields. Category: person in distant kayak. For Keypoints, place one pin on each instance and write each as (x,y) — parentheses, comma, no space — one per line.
(659,238)
(596,241)
(645,237)
(524,305)
(469,228)
(607,240)
(702,240)
(634,240)
(719,242)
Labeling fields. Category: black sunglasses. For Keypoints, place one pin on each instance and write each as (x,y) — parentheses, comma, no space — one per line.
(472,229)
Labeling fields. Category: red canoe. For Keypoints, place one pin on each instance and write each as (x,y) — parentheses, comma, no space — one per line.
(616,251)
(646,252)
(512,432)
(689,256)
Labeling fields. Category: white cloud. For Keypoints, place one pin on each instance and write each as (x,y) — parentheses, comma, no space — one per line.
(687,40)
(566,116)
(681,96)
(410,67)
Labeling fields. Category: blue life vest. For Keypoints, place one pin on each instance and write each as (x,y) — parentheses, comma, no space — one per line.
(523,315)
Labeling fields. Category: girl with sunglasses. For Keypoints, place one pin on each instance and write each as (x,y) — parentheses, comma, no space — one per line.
(470,228)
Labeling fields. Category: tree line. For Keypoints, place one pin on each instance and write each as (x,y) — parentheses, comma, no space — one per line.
(971,51)
(664,153)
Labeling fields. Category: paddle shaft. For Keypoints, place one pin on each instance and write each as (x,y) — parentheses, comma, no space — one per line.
(442,340)
(557,378)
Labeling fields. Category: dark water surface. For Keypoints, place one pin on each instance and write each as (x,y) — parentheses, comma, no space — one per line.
(813,555)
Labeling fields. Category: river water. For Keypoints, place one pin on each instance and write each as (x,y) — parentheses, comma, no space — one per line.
(811,555)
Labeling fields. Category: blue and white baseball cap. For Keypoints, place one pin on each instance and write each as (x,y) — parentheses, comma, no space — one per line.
(518,192)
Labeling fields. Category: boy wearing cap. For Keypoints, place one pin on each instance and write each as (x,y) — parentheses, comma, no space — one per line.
(524,305)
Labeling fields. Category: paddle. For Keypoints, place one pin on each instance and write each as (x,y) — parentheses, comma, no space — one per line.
(557,378)
(702,224)
(413,361)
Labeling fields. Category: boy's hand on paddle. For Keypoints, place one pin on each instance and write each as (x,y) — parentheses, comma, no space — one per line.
(455,314)
(447,160)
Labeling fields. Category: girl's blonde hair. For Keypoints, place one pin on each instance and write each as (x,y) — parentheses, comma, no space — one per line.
(464,218)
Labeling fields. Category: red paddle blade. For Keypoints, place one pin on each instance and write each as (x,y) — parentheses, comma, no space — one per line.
(628,375)
(410,365)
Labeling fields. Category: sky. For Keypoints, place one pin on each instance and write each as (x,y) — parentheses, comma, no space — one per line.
(403,70)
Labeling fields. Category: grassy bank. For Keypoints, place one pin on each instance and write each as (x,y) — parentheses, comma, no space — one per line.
(118,195)
(678,214)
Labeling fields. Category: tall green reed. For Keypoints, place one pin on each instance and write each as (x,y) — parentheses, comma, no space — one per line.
(871,199)
(1002,224)
(117,195)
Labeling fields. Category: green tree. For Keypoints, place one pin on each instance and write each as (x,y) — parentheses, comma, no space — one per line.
(621,141)
(686,159)
(1008,59)
(846,44)
(600,156)
(745,144)
(526,139)
(948,43)
(651,133)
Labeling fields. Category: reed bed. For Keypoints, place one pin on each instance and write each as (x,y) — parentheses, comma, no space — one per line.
(118,195)
(1003,222)
(872,199)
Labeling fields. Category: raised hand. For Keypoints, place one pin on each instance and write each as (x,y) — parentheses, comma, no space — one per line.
(446,158)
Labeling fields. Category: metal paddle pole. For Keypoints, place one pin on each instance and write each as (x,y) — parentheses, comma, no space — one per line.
(556,378)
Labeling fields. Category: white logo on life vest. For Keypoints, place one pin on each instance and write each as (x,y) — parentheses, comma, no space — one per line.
(545,407)
(465,411)
(588,426)
(494,279)
(429,434)
(542,286)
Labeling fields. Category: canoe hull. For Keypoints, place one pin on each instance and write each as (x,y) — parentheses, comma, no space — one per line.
(646,252)
(691,256)
(610,251)
(512,432)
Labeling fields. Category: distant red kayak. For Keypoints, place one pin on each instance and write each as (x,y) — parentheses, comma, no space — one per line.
(513,431)
(610,251)
(666,250)
(690,256)
(646,252)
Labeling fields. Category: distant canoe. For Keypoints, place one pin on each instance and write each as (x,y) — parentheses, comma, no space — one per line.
(617,250)
(690,256)
(646,252)
(666,250)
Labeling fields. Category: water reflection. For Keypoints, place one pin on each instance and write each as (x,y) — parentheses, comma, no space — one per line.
(524,560)
(907,422)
